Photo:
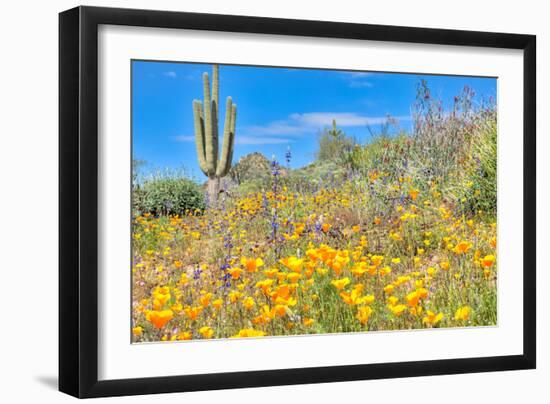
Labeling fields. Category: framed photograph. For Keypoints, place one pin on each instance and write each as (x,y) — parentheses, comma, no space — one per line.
(251,201)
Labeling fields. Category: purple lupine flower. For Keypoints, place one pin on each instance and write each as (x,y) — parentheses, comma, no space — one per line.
(318,227)
(197,273)
(274,224)
(288,156)
(275,169)
(228,243)
(226,280)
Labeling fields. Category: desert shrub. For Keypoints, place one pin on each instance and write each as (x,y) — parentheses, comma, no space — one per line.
(484,171)
(251,186)
(334,145)
(453,152)
(441,141)
(477,188)
(382,153)
(319,174)
(458,150)
(168,196)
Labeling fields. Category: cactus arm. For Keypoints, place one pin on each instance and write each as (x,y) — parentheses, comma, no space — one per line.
(226,146)
(216,88)
(215,113)
(233,117)
(229,160)
(199,134)
(208,131)
(233,131)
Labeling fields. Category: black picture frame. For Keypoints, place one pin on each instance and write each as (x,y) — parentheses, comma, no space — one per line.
(78,201)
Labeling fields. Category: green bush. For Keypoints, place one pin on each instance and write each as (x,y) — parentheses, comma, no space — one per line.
(334,145)
(168,196)
(479,183)
(251,186)
(319,174)
(383,153)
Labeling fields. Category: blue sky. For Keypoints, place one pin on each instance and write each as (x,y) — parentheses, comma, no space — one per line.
(277,108)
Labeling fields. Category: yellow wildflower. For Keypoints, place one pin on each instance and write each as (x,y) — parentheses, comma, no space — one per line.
(363,314)
(340,283)
(206,332)
(463,313)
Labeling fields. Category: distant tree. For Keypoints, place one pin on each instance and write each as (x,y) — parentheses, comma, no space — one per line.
(334,144)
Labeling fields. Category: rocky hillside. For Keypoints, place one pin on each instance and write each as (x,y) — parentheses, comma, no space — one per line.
(252,167)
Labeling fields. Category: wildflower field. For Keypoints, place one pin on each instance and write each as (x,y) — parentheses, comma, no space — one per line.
(395,233)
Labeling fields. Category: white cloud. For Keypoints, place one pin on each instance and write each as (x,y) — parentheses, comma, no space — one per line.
(357,79)
(360,84)
(244,140)
(278,128)
(356,75)
(321,119)
(171,74)
(296,125)
(309,122)
(253,140)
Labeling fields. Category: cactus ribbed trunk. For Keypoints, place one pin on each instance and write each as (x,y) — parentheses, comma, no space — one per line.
(214,163)
(213,187)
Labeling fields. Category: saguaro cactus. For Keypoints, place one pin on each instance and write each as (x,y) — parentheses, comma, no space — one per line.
(206,134)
